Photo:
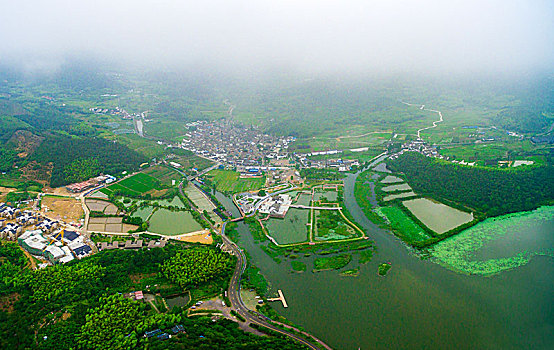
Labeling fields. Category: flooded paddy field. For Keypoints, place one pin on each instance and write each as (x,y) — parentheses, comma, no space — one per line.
(167,222)
(401,187)
(437,216)
(390,179)
(399,195)
(291,229)
(101,206)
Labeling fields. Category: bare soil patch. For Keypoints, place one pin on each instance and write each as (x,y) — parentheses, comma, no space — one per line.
(66,209)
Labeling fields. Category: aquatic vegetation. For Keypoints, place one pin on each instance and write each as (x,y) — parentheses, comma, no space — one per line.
(298,266)
(472,251)
(383,269)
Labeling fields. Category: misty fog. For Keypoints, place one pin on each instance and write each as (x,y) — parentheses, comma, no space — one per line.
(309,36)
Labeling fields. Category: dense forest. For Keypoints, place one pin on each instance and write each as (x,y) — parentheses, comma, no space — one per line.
(490,191)
(77,159)
(78,306)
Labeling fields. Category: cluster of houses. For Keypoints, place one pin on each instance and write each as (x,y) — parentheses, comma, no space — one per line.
(13,220)
(335,163)
(58,247)
(225,142)
(158,333)
(90,183)
(41,236)
(276,206)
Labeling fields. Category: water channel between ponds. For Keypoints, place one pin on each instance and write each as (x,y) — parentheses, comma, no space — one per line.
(419,304)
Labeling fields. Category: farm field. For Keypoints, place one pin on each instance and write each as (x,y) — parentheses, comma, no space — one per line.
(201,202)
(190,161)
(164,174)
(228,181)
(139,185)
(437,216)
(109,224)
(403,225)
(389,179)
(101,206)
(329,195)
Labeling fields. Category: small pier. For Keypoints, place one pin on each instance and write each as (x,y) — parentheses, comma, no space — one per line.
(281,298)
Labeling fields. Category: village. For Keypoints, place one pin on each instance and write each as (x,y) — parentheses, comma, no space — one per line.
(49,241)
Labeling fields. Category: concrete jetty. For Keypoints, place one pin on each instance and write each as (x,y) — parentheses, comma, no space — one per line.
(281,298)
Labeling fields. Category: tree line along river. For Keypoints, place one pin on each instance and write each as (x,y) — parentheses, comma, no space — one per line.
(419,304)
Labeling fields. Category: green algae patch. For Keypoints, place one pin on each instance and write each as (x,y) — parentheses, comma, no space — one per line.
(351,272)
(499,244)
(383,269)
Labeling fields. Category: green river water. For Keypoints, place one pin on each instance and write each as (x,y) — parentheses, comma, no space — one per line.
(419,304)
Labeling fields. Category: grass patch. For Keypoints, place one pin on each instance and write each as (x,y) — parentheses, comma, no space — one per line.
(365,256)
(403,226)
(351,272)
(298,266)
(332,263)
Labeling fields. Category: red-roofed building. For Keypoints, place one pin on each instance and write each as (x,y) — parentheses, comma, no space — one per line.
(139,295)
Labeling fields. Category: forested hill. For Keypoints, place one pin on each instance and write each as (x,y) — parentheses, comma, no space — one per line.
(78,159)
(490,191)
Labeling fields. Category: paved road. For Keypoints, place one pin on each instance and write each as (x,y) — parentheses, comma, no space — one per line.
(236,301)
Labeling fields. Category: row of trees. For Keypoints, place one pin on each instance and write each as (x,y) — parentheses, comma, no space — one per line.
(490,191)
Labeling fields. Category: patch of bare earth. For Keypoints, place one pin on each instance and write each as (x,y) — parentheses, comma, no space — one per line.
(7,302)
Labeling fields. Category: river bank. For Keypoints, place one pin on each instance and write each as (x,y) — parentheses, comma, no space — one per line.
(419,304)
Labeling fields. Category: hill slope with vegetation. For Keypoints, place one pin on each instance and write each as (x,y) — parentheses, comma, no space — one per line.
(490,191)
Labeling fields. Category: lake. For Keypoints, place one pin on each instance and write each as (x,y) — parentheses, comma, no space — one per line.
(419,304)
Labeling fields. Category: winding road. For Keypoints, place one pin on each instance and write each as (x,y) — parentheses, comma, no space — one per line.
(237,304)
(233,293)
(422,107)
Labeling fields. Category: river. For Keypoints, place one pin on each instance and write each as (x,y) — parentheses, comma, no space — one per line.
(419,304)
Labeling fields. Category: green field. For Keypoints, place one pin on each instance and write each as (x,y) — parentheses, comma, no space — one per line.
(228,181)
(403,225)
(136,185)
(164,174)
